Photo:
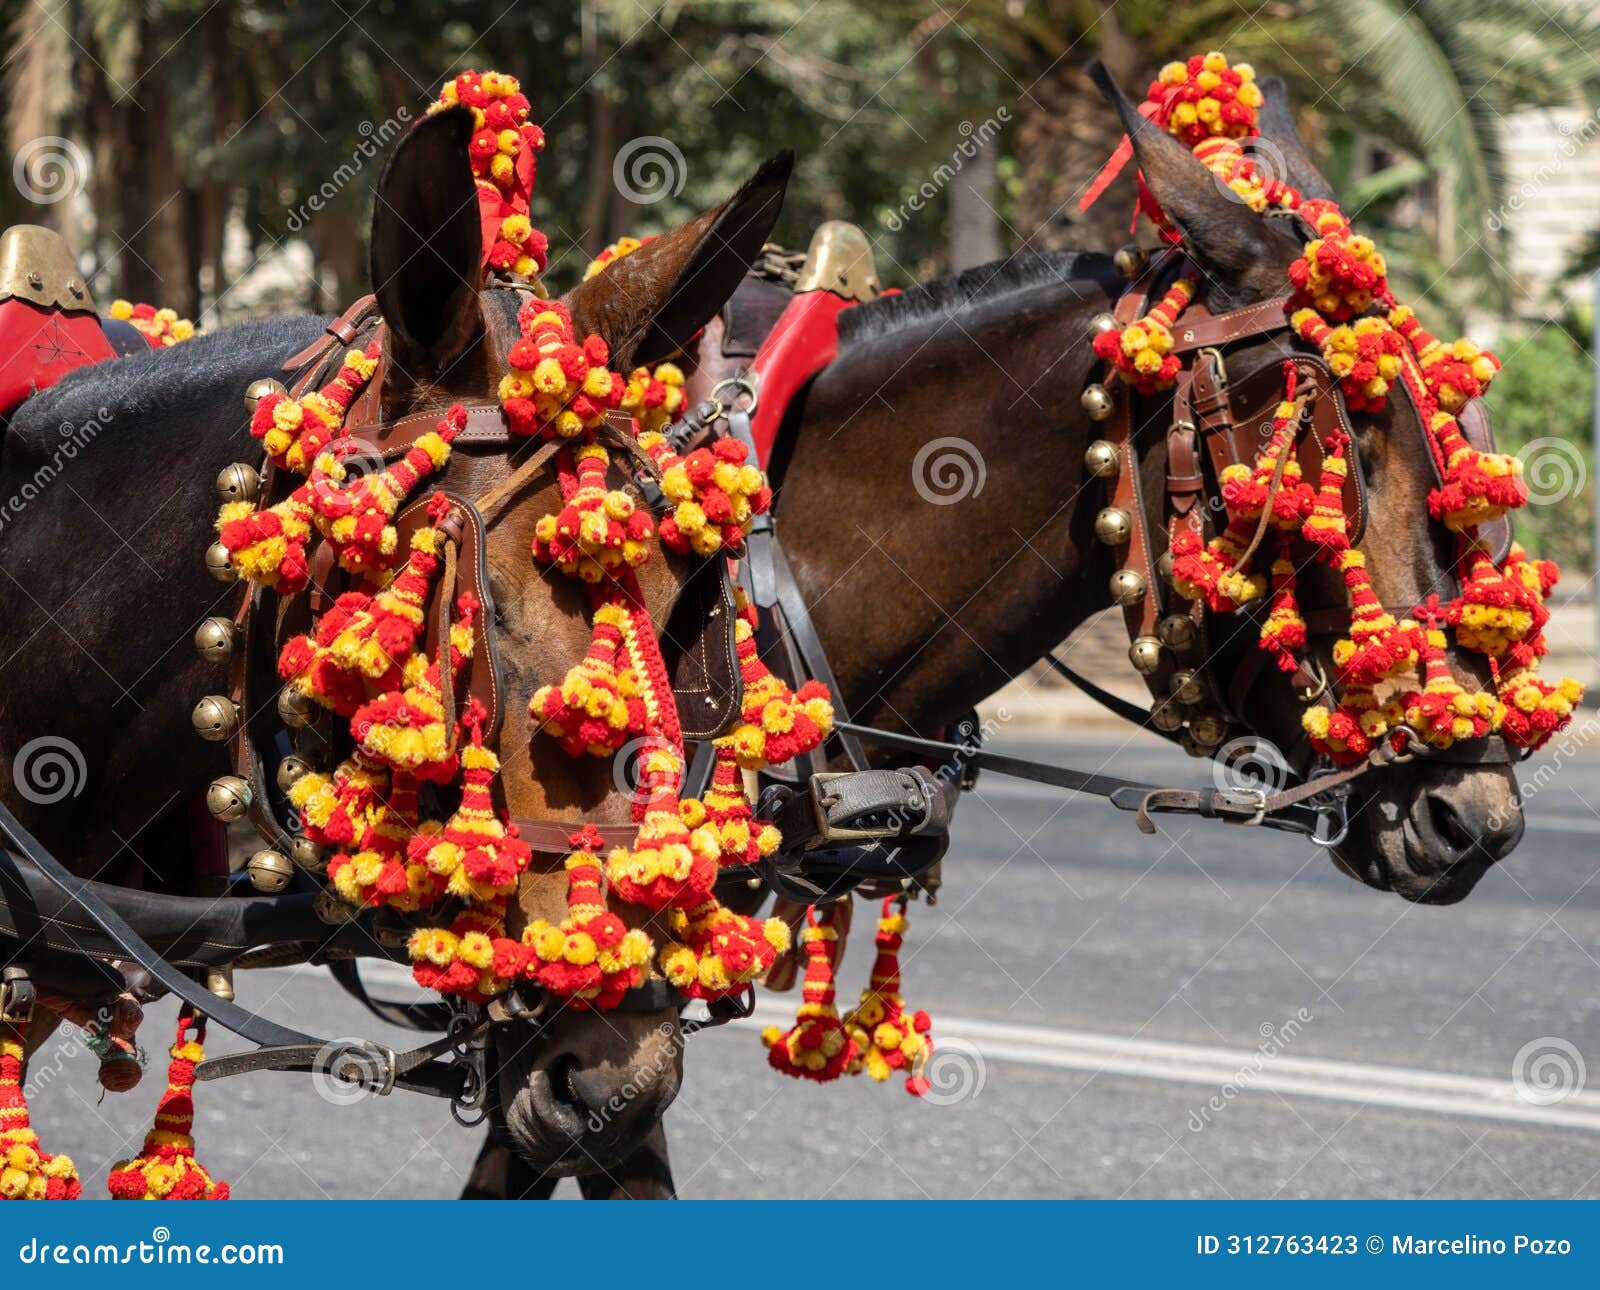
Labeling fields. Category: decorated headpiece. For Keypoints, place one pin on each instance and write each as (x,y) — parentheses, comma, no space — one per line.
(1341,302)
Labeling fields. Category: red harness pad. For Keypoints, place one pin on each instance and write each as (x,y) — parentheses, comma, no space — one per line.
(39,345)
(802,342)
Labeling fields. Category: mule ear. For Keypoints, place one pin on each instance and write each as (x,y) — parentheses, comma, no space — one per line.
(1278,129)
(648,305)
(427,244)
(1220,231)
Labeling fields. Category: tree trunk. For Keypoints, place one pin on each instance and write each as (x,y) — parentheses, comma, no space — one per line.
(972,229)
(1065,133)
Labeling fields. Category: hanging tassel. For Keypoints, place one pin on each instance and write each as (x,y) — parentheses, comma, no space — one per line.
(599,530)
(1453,373)
(817,1046)
(716,952)
(1442,712)
(598,705)
(1141,353)
(591,958)
(741,838)
(777,723)
(1378,646)
(1283,633)
(26,1171)
(673,861)
(887,1038)
(167,1169)
(478,854)
(356,513)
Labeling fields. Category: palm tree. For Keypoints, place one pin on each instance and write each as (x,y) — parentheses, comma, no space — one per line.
(1432,77)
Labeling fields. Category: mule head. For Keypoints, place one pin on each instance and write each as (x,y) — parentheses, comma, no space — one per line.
(1427,830)
(581,1092)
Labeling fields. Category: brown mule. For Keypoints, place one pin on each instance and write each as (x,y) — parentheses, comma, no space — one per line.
(102,587)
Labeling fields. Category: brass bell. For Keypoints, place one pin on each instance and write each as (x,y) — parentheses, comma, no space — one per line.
(238,483)
(1102,458)
(1164,566)
(1102,323)
(1177,632)
(1097,402)
(1186,687)
(258,390)
(215,718)
(1145,654)
(330,908)
(308,855)
(1112,526)
(213,640)
(218,565)
(1166,717)
(295,709)
(219,980)
(1208,729)
(228,798)
(1127,587)
(270,871)
(1131,261)
(1193,746)
(290,769)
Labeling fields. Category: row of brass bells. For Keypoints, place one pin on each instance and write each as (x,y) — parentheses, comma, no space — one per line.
(228,798)
(214,639)
(215,718)
(270,871)
(1131,261)
(1127,587)
(1097,401)
(1102,459)
(1113,526)
(238,483)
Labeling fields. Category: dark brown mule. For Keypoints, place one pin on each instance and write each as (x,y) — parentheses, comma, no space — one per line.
(101,586)
(926,607)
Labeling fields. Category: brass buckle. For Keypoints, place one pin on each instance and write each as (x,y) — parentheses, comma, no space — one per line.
(1215,354)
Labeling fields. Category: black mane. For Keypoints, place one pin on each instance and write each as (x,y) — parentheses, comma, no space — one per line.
(938,299)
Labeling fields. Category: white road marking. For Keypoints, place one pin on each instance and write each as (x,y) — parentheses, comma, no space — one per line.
(1177,1062)
(1327,1079)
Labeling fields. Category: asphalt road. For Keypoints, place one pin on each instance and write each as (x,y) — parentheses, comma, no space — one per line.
(1211,1013)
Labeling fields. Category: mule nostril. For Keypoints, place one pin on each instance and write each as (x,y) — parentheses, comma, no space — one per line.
(1448,825)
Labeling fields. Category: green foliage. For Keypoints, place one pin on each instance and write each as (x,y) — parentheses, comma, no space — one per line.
(1543,394)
